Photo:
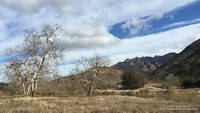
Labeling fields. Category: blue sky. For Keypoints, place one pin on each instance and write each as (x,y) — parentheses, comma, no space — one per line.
(188,14)
(119,29)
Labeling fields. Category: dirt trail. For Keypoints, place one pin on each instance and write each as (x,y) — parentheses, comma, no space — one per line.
(148,87)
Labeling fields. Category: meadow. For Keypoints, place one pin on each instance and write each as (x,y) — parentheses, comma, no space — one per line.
(105,102)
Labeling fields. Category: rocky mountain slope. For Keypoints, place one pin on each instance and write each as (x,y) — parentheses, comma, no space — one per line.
(185,64)
(146,64)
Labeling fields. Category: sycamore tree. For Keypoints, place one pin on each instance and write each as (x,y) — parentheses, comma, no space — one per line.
(34,59)
(90,70)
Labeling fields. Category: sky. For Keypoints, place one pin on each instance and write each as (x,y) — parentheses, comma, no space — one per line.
(119,29)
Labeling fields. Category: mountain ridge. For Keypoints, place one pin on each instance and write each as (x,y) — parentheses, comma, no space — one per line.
(146,64)
(184,64)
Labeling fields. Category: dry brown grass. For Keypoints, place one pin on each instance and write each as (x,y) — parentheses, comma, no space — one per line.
(95,104)
(144,100)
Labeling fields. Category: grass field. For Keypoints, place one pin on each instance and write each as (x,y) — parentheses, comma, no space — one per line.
(144,100)
(94,104)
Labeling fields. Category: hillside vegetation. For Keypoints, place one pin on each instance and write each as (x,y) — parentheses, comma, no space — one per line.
(184,66)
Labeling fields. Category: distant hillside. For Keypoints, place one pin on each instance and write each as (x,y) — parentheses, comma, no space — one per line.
(185,65)
(3,87)
(146,64)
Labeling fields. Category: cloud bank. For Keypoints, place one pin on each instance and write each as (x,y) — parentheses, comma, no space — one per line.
(83,21)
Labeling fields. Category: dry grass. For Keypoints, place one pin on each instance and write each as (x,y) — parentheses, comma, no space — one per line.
(172,93)
(144,100)
(187,97)
(95,104)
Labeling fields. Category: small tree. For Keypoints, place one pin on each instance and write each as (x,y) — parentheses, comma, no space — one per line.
(89,71)
(171,80)
(133,80)
(34,59)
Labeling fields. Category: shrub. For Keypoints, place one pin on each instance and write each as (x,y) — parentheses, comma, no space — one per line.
(133,80)
(171,80)
(191,83)
(145,94)
(105,93)
(128,93)
(171,92)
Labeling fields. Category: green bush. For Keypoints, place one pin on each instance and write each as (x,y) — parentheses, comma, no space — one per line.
(145,94)
(171,80)
(133,80)
(170,92)
(128,93)
(105,93)
(191,83)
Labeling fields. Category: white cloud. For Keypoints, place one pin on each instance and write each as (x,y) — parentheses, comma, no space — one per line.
(3,31)
(136,25)
(86,37)
(30,6)
(181,23)
(77,33)
(85,22)
(107,12)
(5,16)
(157,44)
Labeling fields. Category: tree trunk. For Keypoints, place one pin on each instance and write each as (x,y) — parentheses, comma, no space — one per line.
(36,84)
(92,86)
(91,89)
(34,87)
(24,88)
(28,91)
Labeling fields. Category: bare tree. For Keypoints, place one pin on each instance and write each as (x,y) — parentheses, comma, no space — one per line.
(34,59)
(89,71)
